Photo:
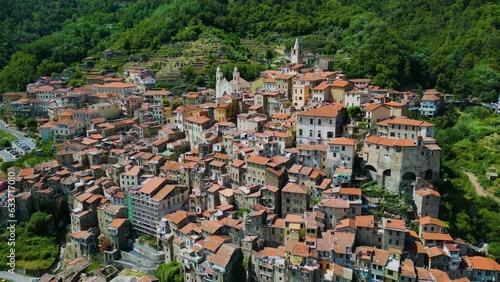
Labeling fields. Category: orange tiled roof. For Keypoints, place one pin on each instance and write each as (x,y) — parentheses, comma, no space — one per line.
(343,141)
(482,263)
(436,237)
(390,142)
(432,220)
(331,110)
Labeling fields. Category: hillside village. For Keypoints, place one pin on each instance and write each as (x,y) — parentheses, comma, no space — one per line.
(281,176)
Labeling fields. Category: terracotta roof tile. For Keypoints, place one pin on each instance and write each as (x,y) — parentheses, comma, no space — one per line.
(482,263)
(331,111)
(432,220)
(343,141)
(294,188)
(436,237)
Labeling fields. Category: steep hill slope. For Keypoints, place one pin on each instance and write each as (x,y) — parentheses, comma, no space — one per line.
(404,44)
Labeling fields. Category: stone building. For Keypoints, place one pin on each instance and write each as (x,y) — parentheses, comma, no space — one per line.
(389,161)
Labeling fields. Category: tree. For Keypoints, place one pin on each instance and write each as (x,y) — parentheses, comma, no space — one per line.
(169,272)
(4,143)
(354,112)
(40,224)
(239,272)
(269,54)
(19,121)
(199,81)
(165,102)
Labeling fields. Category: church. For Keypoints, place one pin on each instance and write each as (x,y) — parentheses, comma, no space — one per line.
(223,87)
(296,53)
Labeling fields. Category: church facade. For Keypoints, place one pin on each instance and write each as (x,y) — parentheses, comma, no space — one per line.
(236,85)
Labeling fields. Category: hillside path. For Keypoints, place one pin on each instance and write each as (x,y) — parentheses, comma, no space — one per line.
(479,190)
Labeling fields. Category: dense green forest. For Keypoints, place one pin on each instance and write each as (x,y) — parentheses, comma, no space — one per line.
(36,246)
(469,137)
(451,44)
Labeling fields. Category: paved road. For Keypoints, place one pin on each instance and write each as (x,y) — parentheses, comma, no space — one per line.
(14,277)
(6,155)
(479,190)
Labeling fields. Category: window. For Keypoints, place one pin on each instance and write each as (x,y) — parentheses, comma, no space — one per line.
(343,148)
(310,133)
(329,134)
(300,132)
(319,121)
(319,133)
(311,121)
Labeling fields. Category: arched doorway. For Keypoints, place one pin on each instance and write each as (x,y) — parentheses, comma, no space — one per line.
(428,174)
(385,175)
(409,176)
(370,168)
(371,172)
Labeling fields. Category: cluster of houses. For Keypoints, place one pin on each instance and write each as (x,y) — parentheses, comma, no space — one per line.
(260,174)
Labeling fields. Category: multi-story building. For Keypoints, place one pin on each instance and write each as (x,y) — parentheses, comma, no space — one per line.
(319,125)
(338,89)
(131,178)
(397,109)
(7,99)
(124,89)
(195,129)
(394,233)
(482,269)
(373,113)
(430,103)
(294,199)
(107,110)
(154,200)
(390,161)
(341,153)
(431,225)
(107,213)
(284,83)
(313,155)
(248,122)
(335,210)
(302,88)
(427,201)
(356,97)
(256,170)
(401,127)
(68,129)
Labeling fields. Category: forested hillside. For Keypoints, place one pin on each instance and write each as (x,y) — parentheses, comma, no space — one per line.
(469,137)
(450,44)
